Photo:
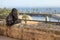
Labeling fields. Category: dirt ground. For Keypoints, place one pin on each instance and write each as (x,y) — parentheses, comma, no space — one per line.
(6,38)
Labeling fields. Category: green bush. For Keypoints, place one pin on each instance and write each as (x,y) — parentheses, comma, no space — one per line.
(4,12)
(25,17)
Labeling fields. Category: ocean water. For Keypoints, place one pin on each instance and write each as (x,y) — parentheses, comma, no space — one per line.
(41,9)
(42,18)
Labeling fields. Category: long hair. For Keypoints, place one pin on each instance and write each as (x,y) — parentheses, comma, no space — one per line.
(12,17)
(14,12)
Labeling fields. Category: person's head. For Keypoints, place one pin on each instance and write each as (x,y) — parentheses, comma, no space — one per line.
(14,11)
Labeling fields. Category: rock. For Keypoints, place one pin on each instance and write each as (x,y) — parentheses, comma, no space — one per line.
(1,23)
(3,31)
(14,31)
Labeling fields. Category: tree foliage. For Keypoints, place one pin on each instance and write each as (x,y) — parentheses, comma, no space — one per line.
(25,17)
(4,12)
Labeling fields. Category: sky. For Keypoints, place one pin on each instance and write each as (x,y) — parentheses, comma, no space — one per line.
(29,3)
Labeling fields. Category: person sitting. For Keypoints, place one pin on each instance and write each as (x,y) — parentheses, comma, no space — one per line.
(12,18)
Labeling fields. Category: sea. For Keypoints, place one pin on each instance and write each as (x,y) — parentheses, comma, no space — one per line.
(55,10)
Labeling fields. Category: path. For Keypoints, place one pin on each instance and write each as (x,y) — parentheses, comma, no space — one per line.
(6,38)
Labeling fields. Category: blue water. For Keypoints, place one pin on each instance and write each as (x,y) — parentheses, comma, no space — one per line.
(42,18)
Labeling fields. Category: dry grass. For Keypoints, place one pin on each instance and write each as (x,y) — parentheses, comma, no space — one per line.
(32,31)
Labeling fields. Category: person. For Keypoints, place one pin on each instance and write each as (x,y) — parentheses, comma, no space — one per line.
(12,18)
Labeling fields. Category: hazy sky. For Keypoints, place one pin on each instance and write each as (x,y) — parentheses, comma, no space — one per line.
(29,3)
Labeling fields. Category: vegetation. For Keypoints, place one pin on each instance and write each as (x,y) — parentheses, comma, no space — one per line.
(55,11)
(25,17)
(4,12)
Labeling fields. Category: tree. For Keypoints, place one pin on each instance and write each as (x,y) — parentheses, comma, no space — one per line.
(37,10)
(4,12)
(47,9)
(25,17)
(55,11)
(33,10)
(50,10)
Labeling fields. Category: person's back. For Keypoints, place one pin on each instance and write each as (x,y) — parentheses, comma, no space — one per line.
(12,18)
(9,20)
